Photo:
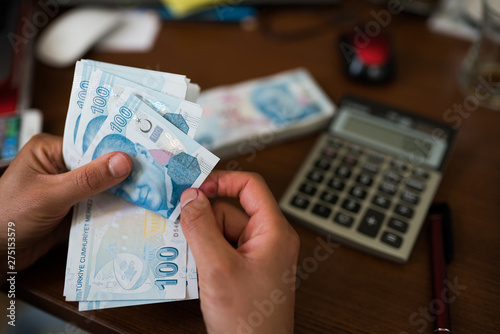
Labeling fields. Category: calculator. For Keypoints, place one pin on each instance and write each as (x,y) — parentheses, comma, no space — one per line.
(369,181)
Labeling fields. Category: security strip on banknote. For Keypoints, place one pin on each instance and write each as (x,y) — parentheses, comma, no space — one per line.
(126,246)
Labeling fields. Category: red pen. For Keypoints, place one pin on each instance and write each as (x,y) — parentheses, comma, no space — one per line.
(442,252)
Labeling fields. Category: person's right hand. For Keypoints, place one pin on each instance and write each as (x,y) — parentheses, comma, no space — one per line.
(249,288)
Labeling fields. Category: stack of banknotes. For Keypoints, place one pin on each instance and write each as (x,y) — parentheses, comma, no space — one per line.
(126,246)
(246,117)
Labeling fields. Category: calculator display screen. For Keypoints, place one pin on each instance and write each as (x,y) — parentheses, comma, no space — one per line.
(415,146)
(395,139)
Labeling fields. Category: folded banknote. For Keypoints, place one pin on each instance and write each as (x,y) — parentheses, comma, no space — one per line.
(174,85)
(165,160)
(154,130)
(126,247)
(107,92)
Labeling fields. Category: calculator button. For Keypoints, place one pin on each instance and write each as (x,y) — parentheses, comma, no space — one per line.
(343,219)
(392,239)
(404,211)
(336,184)
(393,176)
(420,173)
(388,188)
(329,152)
(300,202)
(351,205)
(375,157)
(410,197)
(364,179)
(315,176)
(357,192)
(307,189)
(371,223)
(415,184)
(355,149)
(381,201)
(323,164)
(398,225)
(370,167)
(343,171)
(321,210)
(350,160)
(335,142)
(399,165)
(329,197)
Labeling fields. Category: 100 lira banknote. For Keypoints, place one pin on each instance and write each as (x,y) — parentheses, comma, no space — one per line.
(165,160)
(124,253)
(191,291)
(108,92)
(174,85)
(154,128)
(132,252)
(241,118)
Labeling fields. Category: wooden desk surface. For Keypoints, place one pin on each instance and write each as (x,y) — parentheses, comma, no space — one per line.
(349,292)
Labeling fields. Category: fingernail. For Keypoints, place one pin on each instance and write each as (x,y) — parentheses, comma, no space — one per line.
(188,196)
(118,165)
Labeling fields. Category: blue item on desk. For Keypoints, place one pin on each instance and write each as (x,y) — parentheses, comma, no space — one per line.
(9,133)
(218,14)
(367,59)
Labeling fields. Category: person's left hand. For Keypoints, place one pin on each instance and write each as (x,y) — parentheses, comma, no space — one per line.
(36,193)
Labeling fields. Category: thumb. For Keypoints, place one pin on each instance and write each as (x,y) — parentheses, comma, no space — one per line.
(200,229)
(94,177)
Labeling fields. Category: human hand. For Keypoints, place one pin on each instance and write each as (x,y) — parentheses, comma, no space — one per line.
(36,193)
(242,289)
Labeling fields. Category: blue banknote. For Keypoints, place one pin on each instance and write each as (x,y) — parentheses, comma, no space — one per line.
(244,117)
(167,83)
(121,252)
(166,161)
(128,249)
(107,92)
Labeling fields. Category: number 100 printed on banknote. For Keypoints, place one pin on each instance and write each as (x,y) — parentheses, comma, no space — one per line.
(165,160)
(129,249)
(121,252)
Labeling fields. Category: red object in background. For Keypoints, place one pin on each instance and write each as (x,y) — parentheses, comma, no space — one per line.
(8,96)
(439,218)
(377,54)
(366,58)
(14,57)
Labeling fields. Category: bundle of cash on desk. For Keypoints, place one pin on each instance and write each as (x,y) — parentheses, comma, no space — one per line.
(126,246)
(246,117)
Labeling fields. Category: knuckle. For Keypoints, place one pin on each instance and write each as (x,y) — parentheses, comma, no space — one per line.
(255,177)
(88,178)
(37,141)
(39,137)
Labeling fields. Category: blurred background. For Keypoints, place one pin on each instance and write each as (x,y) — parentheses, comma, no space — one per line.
(425,59)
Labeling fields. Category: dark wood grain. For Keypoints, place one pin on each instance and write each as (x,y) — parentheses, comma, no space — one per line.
(349,292)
